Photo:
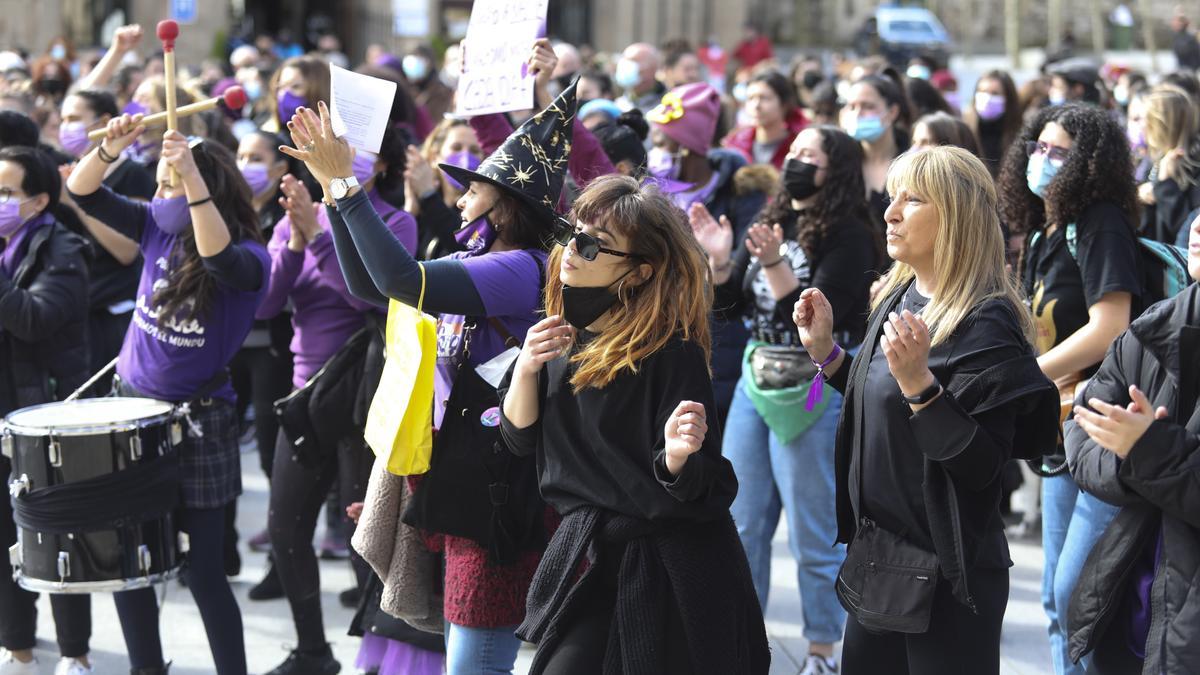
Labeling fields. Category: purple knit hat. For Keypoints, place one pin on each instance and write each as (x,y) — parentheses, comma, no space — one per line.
(688,115)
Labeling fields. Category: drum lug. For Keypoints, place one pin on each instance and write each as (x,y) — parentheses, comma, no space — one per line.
(55,454)
(64,566)
(15,559)
(144,560)
(135,447)
(185,542)
(176,433)
(6,444)
(19,486)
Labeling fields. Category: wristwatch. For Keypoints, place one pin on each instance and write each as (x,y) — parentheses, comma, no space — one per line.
(924,397)
(340,187)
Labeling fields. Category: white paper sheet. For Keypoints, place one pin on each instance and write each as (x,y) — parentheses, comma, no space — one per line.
(360,108)
(496,51)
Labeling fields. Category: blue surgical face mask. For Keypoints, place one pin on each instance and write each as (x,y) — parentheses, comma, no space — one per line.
(867,128)
(415,68)
(741,92)
(58,52)
(1039,173)
(918,72)
(253,89)
(1057,98)
(628,75)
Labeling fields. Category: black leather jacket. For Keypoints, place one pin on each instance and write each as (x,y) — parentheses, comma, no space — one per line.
(43,321)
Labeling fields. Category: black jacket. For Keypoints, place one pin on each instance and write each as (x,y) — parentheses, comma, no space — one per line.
(961,456)
(43,321)
(1157,487)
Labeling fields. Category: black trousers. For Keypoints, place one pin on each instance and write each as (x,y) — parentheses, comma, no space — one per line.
(958,641)
(106,334)
(18,607)
(261,376)
(297,493)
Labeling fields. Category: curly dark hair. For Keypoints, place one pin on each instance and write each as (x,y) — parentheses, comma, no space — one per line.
(842,197)
(1098,169)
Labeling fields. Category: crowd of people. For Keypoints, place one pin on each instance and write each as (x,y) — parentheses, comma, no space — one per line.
(915,321)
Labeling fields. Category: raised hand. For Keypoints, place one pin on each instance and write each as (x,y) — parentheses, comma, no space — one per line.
(813,316)
(684,433)
(326,156)
(418,174)
(121,133)
(546,341)
(715,237)
(127,38)
(301,211)
(1118,429)
(765,243)
(905,343)
(542,62)
(177,153)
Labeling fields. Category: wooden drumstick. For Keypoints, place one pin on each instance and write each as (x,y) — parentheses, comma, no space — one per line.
(233,99)
(167,31)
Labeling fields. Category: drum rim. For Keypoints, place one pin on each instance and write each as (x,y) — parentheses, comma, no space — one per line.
(37,585)
(60,432)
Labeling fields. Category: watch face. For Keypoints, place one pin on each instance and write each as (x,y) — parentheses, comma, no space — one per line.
(338,187)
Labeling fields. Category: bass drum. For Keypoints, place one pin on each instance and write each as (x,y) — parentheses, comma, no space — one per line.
(94,485)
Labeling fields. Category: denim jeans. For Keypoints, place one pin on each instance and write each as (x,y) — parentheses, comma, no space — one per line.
(481,651)
(797,478)
(1072,522)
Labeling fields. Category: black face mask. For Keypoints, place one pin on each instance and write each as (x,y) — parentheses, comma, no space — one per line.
(799,179)
(582,306)
(811,79)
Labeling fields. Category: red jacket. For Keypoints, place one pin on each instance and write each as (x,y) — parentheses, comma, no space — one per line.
(742,138)
(753,52)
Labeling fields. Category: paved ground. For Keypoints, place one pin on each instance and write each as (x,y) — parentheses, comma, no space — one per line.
(269,632)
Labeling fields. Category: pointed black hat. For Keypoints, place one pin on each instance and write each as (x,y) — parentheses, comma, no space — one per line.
(531,164)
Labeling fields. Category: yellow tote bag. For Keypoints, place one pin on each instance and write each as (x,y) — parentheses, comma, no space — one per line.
(400,422)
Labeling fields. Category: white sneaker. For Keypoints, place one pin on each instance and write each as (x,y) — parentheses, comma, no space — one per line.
(9,665)
(71,666)
(818,665)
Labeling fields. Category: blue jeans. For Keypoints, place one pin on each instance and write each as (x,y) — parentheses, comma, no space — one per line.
(481,651)
(1072,522)
(797,478)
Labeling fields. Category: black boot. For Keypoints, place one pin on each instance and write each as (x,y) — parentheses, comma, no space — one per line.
(269,588)
(151,670)
(302,663)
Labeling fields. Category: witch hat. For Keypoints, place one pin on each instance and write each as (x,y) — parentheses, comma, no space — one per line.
(531,164)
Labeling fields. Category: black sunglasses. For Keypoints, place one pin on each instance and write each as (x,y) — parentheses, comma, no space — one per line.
(586,244)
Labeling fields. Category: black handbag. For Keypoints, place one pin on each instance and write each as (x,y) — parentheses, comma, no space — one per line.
(776,367)
(887,583)
(320,414)
(475,487)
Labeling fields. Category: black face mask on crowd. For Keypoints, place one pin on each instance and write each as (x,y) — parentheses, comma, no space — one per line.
(582,306)
(799,179)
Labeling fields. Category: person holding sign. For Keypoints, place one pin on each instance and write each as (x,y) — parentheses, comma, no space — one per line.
(204,274)
(612,393)
(486,298)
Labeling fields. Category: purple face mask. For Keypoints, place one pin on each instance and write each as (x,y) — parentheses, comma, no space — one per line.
(73,137)
(258,177)
(134,108)
(171,215)
(989,106)
(364,166)
(10,217)
(463,160)
(288,103)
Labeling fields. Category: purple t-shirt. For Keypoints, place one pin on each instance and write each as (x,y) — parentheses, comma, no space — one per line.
(326,313)
(509,283)
(171,360)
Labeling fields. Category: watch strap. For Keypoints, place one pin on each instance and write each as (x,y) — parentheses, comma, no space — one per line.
(925,396)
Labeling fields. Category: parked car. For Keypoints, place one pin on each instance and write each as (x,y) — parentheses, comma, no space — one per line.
(900,33)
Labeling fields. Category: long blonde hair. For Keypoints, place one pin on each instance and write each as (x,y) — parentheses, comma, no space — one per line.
(675,300)
(968,252)
(1173,121)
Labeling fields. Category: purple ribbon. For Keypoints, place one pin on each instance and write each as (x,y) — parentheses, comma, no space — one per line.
(816,390)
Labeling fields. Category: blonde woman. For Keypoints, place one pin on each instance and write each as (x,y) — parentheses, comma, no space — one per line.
(945,390)
(1172,190)
(430,194)
(612,393)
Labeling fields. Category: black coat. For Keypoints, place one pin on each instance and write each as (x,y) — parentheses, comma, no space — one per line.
(43,321)
(1157,487)
(960,459)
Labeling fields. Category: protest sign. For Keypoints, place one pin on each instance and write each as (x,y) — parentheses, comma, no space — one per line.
(499,39)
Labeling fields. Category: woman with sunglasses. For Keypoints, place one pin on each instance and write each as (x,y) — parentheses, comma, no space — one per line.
(612,394)
(204,273)
(485,299)
(1068,183)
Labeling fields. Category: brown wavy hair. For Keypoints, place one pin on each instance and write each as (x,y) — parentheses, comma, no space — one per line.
(674,301)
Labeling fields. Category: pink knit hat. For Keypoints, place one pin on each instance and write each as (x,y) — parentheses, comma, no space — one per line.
(688,115)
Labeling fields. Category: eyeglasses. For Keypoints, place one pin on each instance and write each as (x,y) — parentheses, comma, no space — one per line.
(1053,153)
(6,195)
(586,244)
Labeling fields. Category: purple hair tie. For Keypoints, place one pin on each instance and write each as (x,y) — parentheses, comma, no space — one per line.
(816,390)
